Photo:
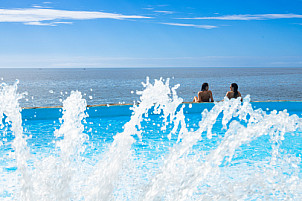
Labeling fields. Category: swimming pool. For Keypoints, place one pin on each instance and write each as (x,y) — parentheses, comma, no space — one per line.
(159,149)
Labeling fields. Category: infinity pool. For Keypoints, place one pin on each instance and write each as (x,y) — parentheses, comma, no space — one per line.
(160,149)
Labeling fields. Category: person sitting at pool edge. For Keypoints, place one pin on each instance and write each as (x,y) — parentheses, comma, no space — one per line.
(204,95)
(234,93)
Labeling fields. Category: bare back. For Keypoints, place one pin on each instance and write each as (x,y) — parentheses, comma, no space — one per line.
(205,96)
(231,94)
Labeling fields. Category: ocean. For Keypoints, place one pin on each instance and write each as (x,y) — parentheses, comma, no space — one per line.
(48,87)
(224,151)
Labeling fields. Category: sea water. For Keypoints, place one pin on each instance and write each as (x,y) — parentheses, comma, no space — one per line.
(48,87)
(160,150)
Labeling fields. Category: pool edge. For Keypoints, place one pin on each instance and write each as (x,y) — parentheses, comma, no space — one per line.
(117,104)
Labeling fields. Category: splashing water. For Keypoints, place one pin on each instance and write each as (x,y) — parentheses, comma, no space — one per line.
(158,155)
(9,108)
(55,177)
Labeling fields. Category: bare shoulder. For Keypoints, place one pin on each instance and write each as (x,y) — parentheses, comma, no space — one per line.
(228,94)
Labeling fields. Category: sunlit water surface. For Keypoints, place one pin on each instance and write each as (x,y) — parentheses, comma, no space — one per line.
(46,87)
(157,150)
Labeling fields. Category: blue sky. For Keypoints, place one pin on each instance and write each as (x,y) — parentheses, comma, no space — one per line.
(187,33)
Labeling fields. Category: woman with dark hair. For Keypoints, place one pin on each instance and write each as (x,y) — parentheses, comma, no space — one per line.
(204,95)
(234,93)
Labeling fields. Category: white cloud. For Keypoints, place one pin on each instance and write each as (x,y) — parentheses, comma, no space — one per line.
(62,22)
(148,8)
(39,24)
(46,24)
(249,17)
(192,25)
(35,16)
(163,11)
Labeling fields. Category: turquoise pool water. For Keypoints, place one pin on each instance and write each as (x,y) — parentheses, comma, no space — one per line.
(157,150)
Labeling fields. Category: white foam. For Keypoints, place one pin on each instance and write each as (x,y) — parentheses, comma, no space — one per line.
(182,173)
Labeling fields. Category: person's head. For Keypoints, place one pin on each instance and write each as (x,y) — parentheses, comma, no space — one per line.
(234,88)
(205,87)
